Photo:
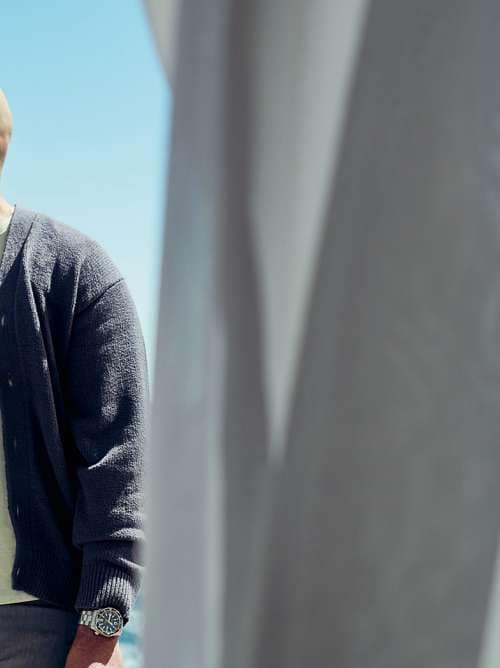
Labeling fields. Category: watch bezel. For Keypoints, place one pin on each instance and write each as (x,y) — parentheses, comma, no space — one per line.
(100,611)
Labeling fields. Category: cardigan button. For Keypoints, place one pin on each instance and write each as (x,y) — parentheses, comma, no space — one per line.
(10,381)
(2,320)
(17,511)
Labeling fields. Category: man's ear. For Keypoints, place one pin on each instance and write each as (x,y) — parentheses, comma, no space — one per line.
(6,122)
(6,127)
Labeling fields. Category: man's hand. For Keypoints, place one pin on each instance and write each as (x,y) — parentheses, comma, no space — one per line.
(91,651)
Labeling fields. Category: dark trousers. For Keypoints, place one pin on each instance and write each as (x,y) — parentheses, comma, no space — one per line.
(35,634)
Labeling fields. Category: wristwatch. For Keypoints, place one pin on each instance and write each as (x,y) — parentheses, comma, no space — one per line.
(106,622)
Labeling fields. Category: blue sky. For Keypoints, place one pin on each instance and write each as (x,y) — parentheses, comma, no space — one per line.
(91,114)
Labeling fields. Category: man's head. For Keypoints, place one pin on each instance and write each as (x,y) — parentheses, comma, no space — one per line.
(5,127)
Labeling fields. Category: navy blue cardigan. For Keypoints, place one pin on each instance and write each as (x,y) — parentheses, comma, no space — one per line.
(75,405)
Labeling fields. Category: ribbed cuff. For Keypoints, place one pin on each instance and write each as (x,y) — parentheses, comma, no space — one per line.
(102,584)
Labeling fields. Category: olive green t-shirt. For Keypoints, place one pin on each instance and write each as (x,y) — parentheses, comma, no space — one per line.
(7,536)
(4,228)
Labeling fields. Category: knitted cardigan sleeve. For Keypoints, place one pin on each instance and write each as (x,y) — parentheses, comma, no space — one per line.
(107,384)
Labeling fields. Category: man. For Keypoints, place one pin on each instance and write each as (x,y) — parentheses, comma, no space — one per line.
(75,415)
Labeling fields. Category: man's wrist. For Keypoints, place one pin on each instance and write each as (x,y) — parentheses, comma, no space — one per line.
(85,638)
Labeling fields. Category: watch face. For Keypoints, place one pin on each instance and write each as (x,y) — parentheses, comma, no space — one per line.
(108,621)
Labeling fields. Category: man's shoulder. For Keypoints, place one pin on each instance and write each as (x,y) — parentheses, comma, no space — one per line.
(62,236)
(68,255)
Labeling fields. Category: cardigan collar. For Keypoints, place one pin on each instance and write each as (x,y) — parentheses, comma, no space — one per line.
(19,227)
